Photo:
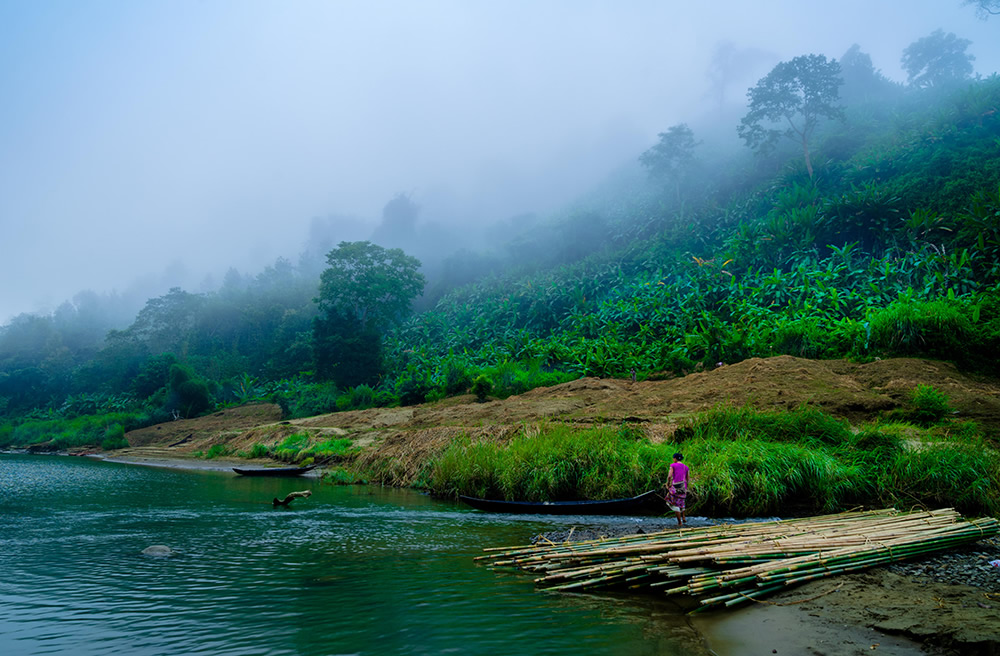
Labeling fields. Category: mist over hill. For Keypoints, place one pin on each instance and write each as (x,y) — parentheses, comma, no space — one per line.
(159,145)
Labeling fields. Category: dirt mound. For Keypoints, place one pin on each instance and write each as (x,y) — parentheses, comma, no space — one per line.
(410,435)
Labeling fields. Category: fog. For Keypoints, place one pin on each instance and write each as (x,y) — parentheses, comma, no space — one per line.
(158,143)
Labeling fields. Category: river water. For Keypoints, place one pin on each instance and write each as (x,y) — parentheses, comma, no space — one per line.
(350,570)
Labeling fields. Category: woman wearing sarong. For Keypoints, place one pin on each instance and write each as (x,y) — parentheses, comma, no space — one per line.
(677,486)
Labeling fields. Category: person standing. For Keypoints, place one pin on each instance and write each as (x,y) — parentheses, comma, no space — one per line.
(677,486)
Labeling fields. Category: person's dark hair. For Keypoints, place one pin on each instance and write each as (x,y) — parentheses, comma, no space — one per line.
(678,456)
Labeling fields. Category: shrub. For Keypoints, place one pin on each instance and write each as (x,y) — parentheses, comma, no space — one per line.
(217,450)
(482,387)
(930,405)
(114,438)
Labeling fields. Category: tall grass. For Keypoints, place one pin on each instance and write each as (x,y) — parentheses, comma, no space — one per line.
(558,464)
(808,425)
(757,477)
(743,463)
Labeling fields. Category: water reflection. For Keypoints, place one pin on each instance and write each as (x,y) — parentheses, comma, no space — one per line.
(351,570)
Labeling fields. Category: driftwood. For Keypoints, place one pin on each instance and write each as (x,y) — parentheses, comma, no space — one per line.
(291,495)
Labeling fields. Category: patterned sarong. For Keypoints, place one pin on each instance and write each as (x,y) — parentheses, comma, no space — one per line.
(676,496)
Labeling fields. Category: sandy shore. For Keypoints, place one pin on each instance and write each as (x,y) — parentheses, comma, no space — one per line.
(215,464)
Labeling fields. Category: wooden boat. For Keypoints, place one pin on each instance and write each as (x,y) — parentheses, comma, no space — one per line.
(274,471)
(631,505)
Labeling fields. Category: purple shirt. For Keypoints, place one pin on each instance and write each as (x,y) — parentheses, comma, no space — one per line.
(680,473)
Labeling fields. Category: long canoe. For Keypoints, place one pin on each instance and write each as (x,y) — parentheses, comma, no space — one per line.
(624,506)
(274,471)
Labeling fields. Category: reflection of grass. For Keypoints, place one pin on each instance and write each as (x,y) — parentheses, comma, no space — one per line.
(743,463)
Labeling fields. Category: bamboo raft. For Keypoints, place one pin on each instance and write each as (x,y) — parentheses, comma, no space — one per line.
(731,564)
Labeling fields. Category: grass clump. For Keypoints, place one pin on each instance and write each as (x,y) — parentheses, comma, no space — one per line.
(930,405)
(557,464)
(300,447)
(803,424)
(216,451)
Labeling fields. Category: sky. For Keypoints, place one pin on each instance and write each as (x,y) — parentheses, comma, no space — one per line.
(165,140)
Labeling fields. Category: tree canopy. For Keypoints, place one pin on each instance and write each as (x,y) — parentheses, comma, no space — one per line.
(937,59)
(371,284)
(790,101)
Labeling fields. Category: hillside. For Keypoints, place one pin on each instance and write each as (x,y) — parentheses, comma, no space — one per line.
(409,436)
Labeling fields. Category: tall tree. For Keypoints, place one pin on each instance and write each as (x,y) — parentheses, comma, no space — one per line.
(375,285)
(364,291)
(937,60)
(791,101)
(671,159)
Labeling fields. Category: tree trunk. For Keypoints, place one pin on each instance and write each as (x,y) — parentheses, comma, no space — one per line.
(805,149)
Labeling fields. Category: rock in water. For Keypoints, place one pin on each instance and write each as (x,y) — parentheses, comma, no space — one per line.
(159,551)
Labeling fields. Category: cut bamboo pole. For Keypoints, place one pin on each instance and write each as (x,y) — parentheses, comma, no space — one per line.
(745,560)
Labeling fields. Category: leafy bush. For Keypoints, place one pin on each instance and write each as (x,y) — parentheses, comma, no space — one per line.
(189,394)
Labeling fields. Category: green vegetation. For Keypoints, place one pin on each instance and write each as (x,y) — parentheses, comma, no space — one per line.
(744,463)
(303,449)
(114,438)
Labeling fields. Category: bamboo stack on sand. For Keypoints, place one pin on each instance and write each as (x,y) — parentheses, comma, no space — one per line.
(730,564)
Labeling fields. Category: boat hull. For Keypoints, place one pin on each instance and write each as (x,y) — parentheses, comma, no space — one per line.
(274,471)
(644,503)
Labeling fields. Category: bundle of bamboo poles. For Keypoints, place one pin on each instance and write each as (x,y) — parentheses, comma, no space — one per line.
(729,564)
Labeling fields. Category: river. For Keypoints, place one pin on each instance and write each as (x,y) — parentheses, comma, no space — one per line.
(350,570)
